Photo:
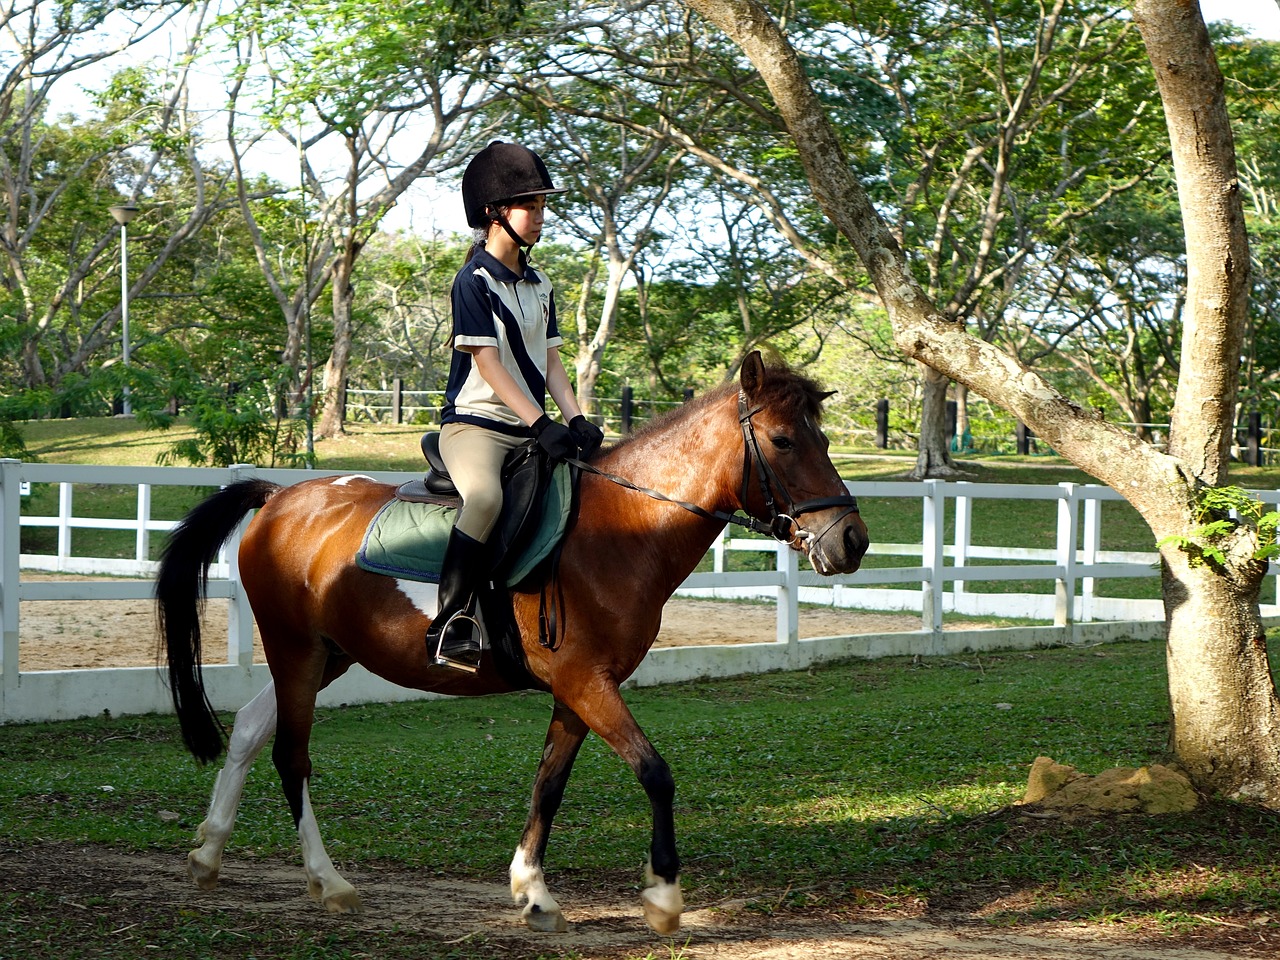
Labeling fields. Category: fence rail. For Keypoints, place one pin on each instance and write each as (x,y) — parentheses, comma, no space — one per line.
(933,580)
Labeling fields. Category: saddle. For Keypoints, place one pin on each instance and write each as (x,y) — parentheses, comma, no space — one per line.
(407,537)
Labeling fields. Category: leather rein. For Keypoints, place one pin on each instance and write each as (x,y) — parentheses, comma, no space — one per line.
(783,524)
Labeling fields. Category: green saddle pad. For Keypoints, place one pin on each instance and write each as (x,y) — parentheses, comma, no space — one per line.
(407,539)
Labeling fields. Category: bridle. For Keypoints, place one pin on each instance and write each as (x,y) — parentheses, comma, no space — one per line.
(783,524)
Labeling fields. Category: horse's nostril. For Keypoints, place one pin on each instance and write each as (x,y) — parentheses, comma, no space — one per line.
(855,543)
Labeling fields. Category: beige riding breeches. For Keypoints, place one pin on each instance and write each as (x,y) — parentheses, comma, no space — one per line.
(474,457)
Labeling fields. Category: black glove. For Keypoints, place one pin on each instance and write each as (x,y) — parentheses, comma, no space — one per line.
(587,436)
(555,438)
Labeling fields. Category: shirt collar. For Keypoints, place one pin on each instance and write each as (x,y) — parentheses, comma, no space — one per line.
(501,272)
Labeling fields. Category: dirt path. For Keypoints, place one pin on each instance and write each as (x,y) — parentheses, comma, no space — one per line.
(120,889)
(80,634)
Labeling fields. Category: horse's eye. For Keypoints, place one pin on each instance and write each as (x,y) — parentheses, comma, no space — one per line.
(782,443)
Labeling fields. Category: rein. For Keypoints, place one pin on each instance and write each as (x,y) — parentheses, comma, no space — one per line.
(782,526)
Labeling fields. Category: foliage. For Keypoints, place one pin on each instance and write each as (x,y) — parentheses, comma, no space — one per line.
(238,425)
(1221,511)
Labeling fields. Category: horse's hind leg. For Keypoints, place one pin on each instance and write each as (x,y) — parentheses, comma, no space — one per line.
(254,725)
(293,763)
(564,737)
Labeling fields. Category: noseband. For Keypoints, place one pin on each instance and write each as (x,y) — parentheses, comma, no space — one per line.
(782,525)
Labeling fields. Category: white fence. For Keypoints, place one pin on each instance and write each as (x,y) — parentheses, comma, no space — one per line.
(1072,613)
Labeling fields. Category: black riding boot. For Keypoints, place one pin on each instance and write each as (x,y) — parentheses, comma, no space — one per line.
(454,638)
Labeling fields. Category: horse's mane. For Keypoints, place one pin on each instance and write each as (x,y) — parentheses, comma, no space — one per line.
(794,394)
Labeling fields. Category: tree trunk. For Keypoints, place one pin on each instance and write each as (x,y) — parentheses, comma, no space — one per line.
(933,459)
(1224,704)
(1225,716)
(334,405)
(1223,699)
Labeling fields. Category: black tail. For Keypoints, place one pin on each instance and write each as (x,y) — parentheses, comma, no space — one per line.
(181,587)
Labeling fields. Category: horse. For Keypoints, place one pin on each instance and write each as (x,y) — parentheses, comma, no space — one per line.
(750,446)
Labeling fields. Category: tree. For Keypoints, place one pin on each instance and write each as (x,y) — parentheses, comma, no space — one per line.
(349,87)
(58,177)
(1225,712)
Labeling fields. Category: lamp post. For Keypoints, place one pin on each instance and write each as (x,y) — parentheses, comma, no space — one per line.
(124,214)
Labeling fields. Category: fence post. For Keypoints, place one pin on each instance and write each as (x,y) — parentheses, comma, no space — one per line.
(10,537)
(1065,589)
(882,423)
(932,559)
(789,603)
(1023,437)
(964,534)
(1091,546)
(65,509)
(688,394)
(239,613)
(142,539)
(626,410)
(397,401)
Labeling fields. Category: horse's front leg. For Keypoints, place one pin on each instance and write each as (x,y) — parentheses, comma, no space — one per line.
(608,715)
(254,725)
(564,737)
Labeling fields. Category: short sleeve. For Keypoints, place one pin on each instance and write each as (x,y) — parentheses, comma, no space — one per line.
(473,323)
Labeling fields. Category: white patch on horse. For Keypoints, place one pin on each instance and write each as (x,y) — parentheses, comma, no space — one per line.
(351,478)
(527,880)
(425,597)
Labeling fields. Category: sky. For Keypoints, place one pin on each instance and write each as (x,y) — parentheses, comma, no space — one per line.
(1262,17)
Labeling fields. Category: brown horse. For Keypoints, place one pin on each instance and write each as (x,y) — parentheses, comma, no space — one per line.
(749,447)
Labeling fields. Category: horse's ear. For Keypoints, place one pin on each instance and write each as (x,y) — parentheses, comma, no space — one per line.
(752,373)
(826,395)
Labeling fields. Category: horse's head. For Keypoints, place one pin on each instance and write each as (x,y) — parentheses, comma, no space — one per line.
(789,480)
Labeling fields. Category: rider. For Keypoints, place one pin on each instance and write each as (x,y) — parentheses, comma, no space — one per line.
(505,361)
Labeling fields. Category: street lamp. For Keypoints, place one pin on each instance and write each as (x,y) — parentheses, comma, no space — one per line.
(124,214)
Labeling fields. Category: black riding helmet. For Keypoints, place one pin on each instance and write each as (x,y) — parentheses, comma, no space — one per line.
(500,173)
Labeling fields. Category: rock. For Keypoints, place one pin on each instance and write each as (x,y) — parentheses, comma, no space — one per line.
(1047,778)
(1155,789)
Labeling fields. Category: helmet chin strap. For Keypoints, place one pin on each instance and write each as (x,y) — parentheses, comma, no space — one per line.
(523,245)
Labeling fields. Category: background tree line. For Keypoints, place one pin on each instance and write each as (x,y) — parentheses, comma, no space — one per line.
(1017,150)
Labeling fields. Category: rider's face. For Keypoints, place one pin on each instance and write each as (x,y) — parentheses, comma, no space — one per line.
(526,217)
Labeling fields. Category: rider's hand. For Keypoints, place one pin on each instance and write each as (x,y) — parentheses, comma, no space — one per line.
(555,438)
(587,435)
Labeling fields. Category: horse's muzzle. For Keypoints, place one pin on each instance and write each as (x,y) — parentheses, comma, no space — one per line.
(840,549)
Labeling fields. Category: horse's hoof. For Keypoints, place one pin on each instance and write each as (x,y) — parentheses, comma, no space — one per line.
(544,921)
(660,920)
(347,901)
(662,903)
(205,875)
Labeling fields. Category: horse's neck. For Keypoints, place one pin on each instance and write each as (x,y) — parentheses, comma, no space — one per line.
(696,461)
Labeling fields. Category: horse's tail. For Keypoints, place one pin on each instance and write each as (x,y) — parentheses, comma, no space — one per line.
(181,588)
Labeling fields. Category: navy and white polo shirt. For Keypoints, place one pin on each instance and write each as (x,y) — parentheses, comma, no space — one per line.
(494,306)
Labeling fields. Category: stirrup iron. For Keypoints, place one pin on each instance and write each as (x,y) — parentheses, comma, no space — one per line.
(442,659)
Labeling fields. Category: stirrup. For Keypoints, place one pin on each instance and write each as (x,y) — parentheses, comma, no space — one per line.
(441,658)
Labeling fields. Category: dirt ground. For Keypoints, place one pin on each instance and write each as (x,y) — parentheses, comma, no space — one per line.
(125,890)
(255,900)
(70,635)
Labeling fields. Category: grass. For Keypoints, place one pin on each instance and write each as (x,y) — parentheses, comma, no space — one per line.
(884,783)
